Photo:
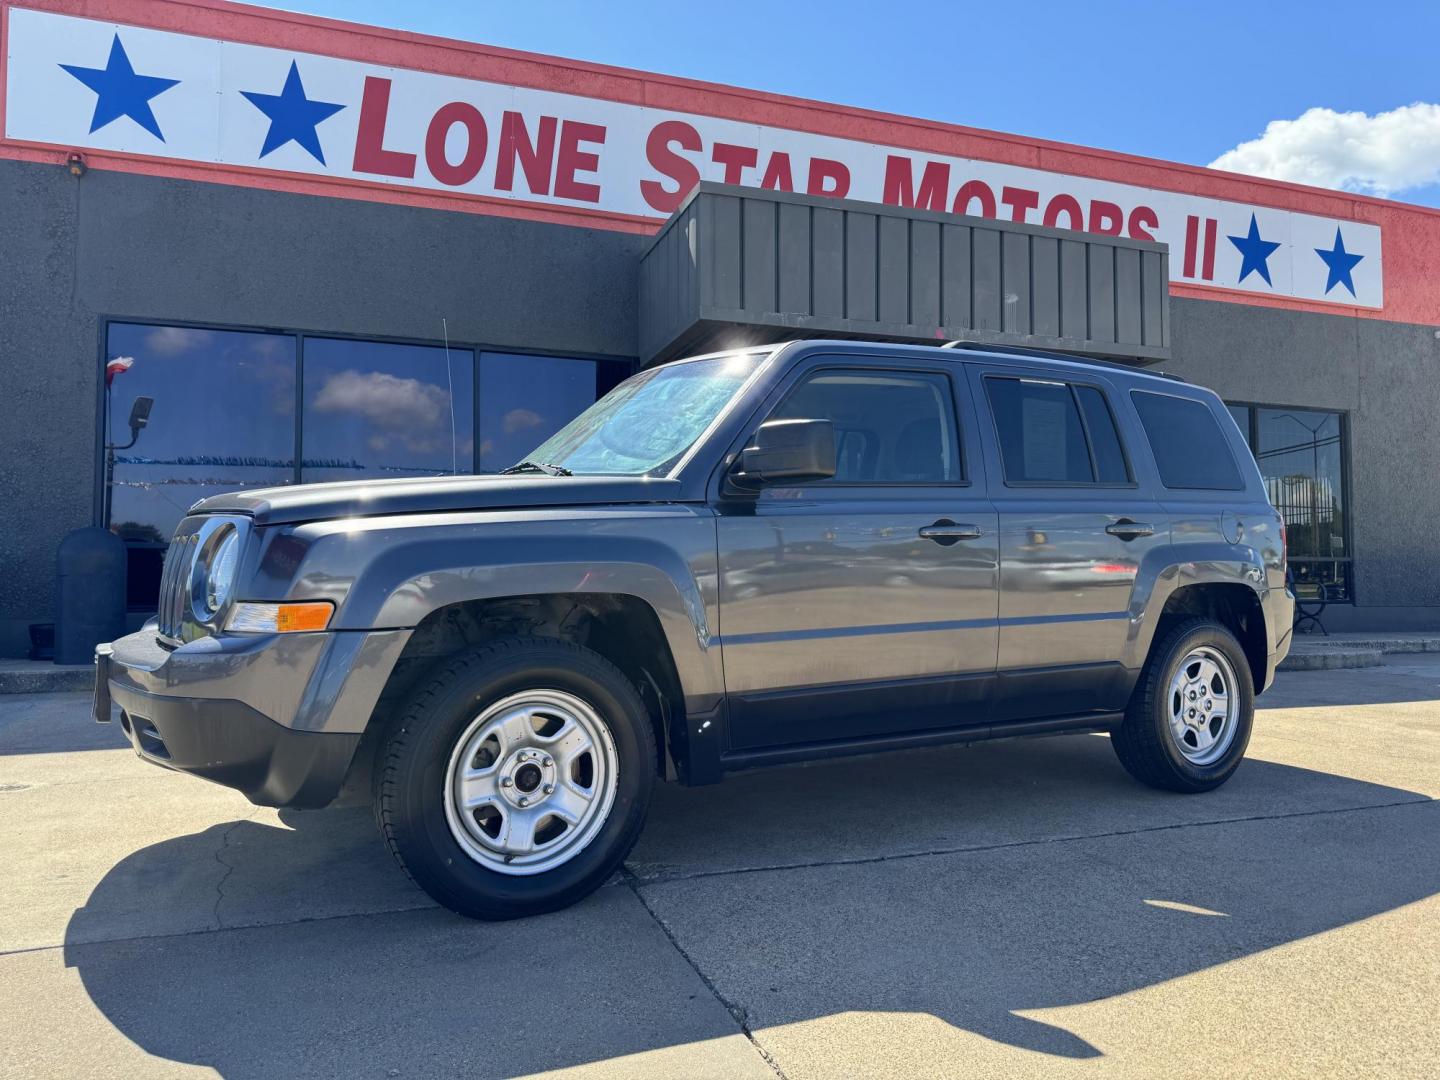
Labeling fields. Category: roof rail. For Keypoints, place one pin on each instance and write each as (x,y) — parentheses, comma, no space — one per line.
(1064,358)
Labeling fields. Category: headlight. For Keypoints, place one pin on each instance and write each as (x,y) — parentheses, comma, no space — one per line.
(223,565)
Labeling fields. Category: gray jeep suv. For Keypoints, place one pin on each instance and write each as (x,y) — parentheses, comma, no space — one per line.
(742,559)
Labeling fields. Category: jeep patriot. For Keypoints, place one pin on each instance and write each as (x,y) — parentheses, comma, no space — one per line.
(742,559)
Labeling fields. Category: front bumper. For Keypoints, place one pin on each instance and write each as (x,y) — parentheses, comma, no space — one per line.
(277,717)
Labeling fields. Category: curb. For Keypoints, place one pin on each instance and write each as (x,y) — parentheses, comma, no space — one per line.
(1333,658)
(48,680)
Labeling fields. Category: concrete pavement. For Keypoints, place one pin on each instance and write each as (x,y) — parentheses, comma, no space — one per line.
(1012,909)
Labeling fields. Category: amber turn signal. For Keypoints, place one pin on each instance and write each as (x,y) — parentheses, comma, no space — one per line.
(250,618)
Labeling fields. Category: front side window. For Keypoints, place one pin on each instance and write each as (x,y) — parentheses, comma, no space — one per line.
(375,409)
(646,424)
(1190,449)
(890,427)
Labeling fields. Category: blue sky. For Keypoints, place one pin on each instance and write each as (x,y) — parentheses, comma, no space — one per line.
(1181,81)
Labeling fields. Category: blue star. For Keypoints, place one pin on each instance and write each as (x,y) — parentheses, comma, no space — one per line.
(1340,262)
(293,116)
(1254,253)
(120,92)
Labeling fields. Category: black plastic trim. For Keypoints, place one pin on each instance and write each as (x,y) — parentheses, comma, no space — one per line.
(235,746)
(782,755)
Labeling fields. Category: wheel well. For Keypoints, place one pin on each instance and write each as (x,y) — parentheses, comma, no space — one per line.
(1234,606)
(624,629)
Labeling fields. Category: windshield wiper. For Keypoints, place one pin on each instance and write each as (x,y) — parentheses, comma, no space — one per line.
(537,466)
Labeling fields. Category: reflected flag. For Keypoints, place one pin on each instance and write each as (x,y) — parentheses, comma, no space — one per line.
(115,367)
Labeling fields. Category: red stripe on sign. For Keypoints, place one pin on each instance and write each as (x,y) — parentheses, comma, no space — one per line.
(1192,229)
(1207,270)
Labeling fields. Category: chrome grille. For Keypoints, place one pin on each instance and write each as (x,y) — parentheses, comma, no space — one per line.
(175,585)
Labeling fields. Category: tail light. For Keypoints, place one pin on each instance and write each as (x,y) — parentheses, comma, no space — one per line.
(1284,544)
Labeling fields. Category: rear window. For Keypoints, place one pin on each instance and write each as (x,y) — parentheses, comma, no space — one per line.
(1043,434)
(1190,449)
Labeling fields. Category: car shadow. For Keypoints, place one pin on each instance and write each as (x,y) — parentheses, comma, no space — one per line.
(1048,880)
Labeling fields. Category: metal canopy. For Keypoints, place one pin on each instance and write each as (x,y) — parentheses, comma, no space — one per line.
(736,266)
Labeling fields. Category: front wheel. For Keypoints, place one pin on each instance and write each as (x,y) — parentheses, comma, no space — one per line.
(516,778)
(1189,719)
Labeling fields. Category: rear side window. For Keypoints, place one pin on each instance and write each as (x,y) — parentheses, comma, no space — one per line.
(1190,449)
(1053,433)
(1110,466)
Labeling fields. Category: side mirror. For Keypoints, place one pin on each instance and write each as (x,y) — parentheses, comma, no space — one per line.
(140,415)
(787,450)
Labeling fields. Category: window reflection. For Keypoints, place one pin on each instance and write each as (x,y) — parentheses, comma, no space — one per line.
(223,419)
(1301,456)
(526,399)
(375,409)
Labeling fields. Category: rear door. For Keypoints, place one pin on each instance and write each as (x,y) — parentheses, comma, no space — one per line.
(863,604)
(1075,528)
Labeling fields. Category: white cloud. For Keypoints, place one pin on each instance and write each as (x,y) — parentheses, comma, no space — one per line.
(415,413)
(1380,155)
(521,419)
(174,340)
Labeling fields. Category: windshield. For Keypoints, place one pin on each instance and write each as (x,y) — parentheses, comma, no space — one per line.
(645,425)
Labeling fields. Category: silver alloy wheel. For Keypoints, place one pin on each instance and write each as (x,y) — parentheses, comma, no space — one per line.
(531,781)
(1203,706)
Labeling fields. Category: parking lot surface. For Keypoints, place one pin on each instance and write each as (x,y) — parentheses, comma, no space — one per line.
(1010,909)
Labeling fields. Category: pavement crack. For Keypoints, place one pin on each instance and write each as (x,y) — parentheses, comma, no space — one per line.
(229,867)
(737,1012)
(637,881)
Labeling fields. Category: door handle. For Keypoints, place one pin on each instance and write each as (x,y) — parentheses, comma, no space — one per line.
(947,532)
(1126,529)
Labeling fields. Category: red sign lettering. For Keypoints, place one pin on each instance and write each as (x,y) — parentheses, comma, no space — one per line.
(370,153)
(476,140)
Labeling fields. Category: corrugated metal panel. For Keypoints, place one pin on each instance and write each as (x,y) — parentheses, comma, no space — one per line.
(737,264)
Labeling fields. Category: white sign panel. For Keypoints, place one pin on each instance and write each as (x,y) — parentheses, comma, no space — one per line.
(80,83)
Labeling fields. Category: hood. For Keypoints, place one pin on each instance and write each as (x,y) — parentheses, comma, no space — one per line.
(435,494)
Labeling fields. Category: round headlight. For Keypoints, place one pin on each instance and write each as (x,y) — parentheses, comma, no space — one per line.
(220,578)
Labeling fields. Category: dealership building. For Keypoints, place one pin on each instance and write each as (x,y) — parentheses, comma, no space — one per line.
(326,251)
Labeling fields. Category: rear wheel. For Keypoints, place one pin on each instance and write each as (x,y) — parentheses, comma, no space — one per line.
(517,778)
(1189,719)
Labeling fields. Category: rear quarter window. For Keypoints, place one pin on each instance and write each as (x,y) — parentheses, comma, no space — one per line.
(1190,448)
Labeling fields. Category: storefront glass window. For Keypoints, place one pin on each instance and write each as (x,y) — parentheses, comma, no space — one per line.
(374,409)
(223,418)
(526,399)
(1301,454)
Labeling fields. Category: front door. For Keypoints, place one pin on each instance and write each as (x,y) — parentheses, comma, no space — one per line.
(1074,532)
(863,604)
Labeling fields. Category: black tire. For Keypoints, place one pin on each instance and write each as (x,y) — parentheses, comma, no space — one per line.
(411,775)
(1144,743)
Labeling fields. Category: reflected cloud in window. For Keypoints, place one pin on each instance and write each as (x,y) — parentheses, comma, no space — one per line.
(374,409)
(526,399)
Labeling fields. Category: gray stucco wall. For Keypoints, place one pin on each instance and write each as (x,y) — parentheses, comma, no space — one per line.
(1387,377)
(73,252)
